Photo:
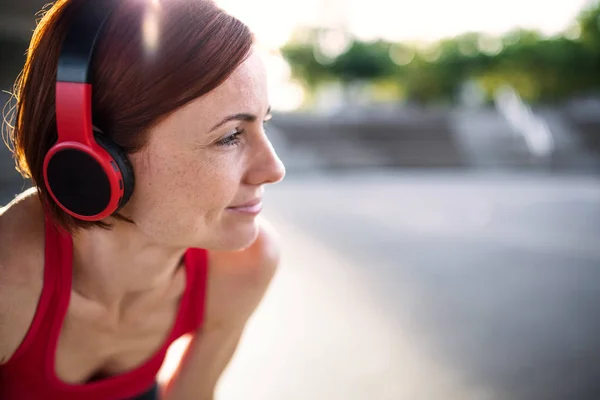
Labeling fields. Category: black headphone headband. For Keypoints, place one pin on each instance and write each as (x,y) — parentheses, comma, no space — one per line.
(80,42)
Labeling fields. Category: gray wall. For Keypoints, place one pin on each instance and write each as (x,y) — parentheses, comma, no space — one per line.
(17,21)
(12,54)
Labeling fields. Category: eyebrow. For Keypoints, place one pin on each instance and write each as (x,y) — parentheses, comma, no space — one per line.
(239,117)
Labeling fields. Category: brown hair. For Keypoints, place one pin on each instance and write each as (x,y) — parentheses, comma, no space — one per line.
(152,57)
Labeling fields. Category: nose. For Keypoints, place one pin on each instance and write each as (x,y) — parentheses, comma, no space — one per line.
(266,166)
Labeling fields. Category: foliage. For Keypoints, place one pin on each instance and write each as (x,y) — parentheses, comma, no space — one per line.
(540,69)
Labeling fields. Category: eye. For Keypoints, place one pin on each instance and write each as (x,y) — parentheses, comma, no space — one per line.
(232,139)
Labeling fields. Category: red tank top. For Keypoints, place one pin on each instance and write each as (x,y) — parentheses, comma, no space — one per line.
(30,374)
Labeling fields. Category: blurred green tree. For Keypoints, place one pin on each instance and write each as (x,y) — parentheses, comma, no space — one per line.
(540,69)
(364,62)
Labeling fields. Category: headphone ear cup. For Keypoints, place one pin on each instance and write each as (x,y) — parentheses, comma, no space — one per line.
(121,161)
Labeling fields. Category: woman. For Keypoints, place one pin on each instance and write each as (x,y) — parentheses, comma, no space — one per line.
(89,302)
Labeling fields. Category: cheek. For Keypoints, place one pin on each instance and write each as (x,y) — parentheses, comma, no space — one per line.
(206,188)
(183,190)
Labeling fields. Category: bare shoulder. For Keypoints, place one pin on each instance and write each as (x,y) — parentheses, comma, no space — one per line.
(21,268)
(255,263)
(238,279)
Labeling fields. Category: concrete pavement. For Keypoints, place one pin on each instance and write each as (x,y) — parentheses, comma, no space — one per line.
(431,286)
(321,334)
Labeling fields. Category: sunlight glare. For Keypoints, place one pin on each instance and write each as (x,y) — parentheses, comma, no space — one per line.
(151,28)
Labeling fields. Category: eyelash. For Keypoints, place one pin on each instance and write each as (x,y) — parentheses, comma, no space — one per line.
(232,140)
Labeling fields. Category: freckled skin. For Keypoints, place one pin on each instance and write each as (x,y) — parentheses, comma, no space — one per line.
(185,181)
(128,278)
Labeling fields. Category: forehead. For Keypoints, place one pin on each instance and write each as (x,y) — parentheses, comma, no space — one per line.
(244,91)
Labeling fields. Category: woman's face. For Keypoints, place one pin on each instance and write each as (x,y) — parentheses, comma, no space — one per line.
(203,162)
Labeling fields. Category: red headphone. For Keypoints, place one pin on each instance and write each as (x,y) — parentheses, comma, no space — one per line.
(87,174)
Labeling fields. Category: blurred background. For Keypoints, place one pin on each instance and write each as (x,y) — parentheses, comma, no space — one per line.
(440,218)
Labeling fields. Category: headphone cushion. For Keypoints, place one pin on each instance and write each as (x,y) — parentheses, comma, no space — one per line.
(117,153)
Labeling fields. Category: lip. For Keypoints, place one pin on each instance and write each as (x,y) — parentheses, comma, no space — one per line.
(252,207)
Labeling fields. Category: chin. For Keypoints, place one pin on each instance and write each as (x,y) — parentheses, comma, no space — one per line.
(233,238)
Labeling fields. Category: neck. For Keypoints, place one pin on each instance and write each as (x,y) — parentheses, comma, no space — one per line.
(122,264)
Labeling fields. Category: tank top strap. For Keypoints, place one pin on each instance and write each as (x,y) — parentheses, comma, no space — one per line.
(57,243)
(196,264)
